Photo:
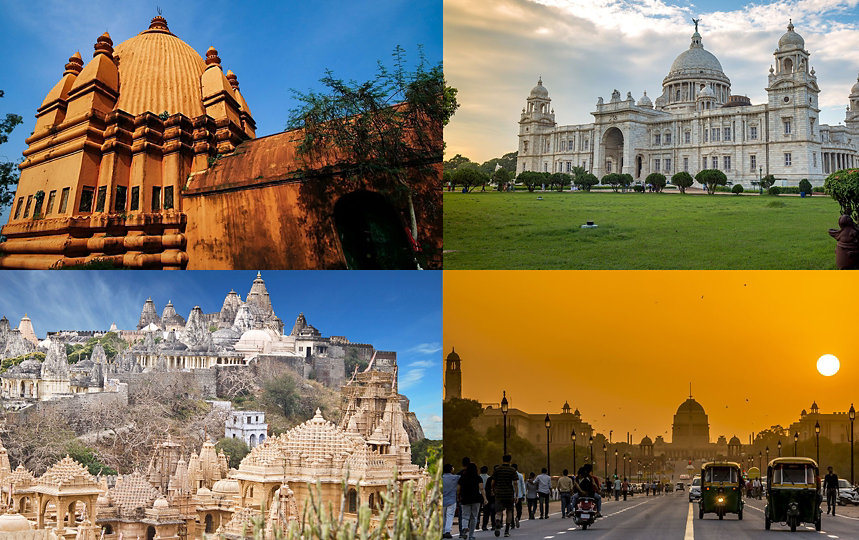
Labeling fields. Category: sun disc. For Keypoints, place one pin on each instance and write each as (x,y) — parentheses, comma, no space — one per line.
(828,365)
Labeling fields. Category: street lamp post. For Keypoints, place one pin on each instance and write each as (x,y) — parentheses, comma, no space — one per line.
(852,415)
(548,425)
(779,448)
(615,461)
(817,441)
(504,405)
(591,444)
(573,437)
(605,458)
(795,440)
(768,456)
(760,180)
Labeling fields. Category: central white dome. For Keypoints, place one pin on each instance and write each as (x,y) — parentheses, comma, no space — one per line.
(695,59)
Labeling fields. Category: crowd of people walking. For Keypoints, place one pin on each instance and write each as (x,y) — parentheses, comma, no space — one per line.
(496,500)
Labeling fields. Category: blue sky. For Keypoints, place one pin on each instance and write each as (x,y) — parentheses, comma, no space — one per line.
(584,49)
(271,46)
(396,311)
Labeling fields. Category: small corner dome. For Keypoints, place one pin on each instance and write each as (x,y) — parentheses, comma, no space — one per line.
(161,502)
(539,91)
(735,441)
(646,441)
(791,40)
(706,92)
(854,91)
(226,486)
(645,101)
(453,356)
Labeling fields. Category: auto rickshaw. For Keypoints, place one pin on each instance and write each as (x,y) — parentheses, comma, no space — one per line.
(793,494)
(721,489)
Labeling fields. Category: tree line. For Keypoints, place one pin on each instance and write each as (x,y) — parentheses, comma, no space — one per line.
(459,171)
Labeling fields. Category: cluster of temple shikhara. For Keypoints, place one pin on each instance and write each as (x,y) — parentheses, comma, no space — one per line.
(179,498)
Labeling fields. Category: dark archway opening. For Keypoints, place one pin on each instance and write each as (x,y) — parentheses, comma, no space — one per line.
(371,233)
(150,533)
(209,526)
(638,165)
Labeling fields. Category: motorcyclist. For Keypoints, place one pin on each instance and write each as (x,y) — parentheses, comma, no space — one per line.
(586,486)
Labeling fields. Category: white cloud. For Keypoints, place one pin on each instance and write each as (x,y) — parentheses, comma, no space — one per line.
(422,364)
(425,348)
(410,378)
(432,426)
(585,48)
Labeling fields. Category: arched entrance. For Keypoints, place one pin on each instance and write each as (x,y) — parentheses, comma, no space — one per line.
(638,166)
(371,233)
(150,533)
(612,142)
(209,527)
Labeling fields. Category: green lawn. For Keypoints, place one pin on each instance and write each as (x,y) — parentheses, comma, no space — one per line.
(494,230)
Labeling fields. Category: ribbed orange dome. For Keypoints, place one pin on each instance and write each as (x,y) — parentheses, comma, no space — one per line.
(159,72)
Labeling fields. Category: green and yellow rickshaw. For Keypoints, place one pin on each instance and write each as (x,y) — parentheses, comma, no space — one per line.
(793,492)
(721,489)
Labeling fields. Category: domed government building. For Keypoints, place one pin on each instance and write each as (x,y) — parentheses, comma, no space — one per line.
(698,123)
(147,156)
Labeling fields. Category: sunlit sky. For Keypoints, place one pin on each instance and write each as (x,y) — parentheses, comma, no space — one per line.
(393,311)
(623,347)
(271,46)
(494,52)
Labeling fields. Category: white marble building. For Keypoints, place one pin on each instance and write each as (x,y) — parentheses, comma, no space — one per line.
(249,426)
(698,123)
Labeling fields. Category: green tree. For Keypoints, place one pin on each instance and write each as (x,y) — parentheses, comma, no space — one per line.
(455,162)
(626,180)
(615,180)
(501,177)
(507,162)
(352,360)
(711,178)
(281,393)
(87,457)
(468,177)
(737,189)
(8,169)
(585,181)
(805,186)
(234,449)
(421,450)
(767,181)
(558,180)
(387,130)
(843,186)
(682,180)
(656,180)
(532,179)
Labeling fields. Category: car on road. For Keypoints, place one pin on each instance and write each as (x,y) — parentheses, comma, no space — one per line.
(680,486)
(695,489)
(847,494)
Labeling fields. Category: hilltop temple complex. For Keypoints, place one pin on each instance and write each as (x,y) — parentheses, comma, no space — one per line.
(146,156)
(205,346)
(186,495)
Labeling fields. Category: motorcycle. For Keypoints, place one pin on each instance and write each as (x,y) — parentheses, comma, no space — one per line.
(585,512)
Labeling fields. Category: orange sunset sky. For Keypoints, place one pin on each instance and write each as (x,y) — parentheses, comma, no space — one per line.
(623,347)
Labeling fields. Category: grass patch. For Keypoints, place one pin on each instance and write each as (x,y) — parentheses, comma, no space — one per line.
(637,231)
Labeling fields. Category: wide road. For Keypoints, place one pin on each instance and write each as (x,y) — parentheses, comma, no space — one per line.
(671,517)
